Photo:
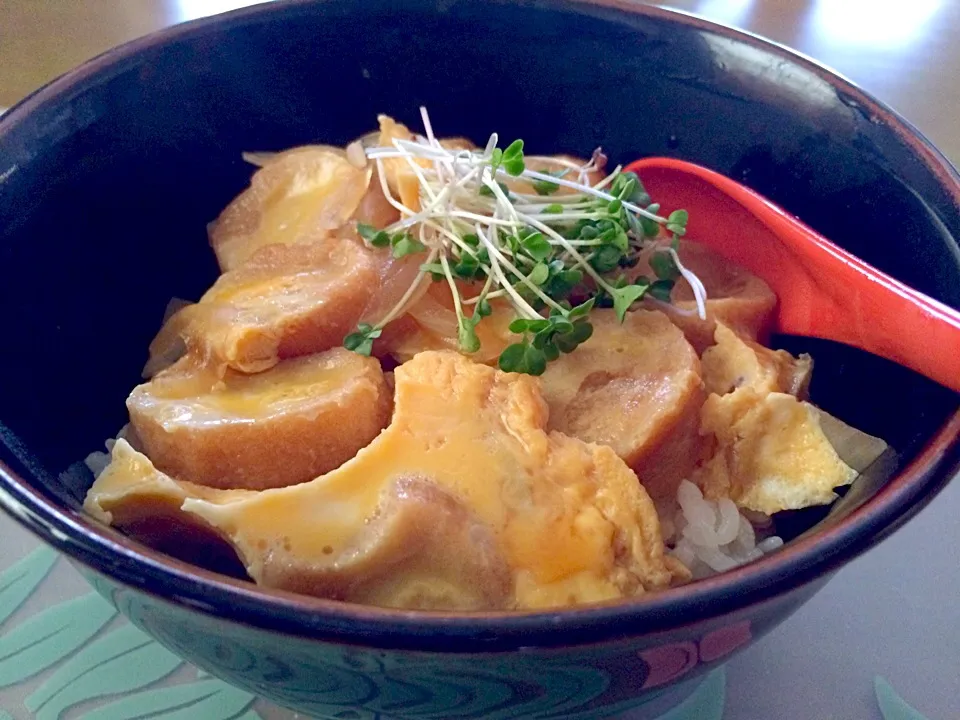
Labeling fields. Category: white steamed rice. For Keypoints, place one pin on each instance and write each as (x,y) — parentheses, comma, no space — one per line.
(97,461)
(711,536)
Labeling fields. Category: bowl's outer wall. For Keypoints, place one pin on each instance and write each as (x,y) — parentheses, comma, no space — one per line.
(326,680)
(105,192)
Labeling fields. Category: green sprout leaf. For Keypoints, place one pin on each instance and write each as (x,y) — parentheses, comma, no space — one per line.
(361,341)
(467,267)
(562,281)
(661,289)
(435,269)
(467,335)
(589,231)
(496,157)
(624,297)
(627,186)
(522,325)
(513,158)
(651,228)
(677,222)
(514,167)
(663,266)
(405,244)
(581,311)
(606,259)
(487,191)
(522,357)
(616,237)
(580,332)
(514,150)
(377,238)
(537,246)
(545,187)
(539,274)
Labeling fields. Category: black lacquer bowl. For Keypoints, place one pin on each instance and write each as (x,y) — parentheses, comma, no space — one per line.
(109,175)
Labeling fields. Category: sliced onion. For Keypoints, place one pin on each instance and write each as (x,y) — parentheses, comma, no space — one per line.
(434,317)
(168,346)
(396,277)
(262,159)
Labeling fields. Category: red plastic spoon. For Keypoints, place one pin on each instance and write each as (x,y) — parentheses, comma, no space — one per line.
(824,291)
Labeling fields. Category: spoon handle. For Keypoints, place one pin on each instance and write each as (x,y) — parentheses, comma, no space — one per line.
(857,304)
(823,290)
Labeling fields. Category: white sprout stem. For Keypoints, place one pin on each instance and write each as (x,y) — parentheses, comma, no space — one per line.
(536,201)
(588,190)
(486,219)
(699,291)
(428,127)
(439,163)
(527,281)
(418,172)
(385,187)
(457,307)
(484,292)
(405,148)
(586,243)
(488,296)
(456,239)
(668,307)
(429,211)
(435,151)
(555,217)
(518,301)
(609,178)
(503,202)
(450,206)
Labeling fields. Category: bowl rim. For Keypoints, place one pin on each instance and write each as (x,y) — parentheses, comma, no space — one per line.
(803,561)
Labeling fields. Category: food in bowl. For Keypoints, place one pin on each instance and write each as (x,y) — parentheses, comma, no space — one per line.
(437,376)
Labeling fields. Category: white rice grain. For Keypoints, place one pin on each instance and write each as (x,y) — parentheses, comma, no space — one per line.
(729,524)
(713,536)
(97,462)
(770,544)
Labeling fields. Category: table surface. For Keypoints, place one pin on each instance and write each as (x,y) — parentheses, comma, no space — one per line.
(889,620)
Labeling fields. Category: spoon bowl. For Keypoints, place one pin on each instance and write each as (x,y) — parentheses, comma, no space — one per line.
(824,291)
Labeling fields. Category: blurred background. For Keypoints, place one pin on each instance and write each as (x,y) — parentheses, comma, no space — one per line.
(904,52)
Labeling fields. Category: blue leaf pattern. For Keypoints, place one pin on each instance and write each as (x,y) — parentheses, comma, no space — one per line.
(18,582)
(892,706)
(119,662)
(4,715)
(49,636)
(203,699)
